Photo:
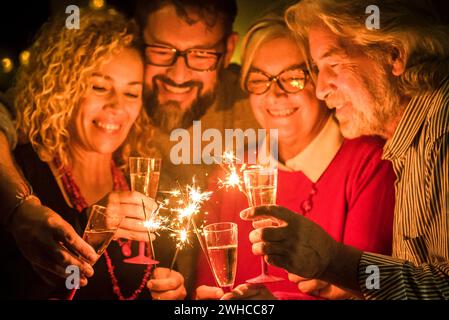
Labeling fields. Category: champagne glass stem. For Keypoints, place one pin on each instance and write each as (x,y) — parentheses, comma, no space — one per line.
(71,294)
(141,248)
(263,265)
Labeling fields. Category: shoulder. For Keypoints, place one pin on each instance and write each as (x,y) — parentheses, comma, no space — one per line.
(361,158)
(363,147)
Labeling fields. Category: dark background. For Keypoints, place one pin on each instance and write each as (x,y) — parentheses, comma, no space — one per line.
(19,21)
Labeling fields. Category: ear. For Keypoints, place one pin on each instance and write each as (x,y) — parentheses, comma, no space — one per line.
(397,56)
(231,43)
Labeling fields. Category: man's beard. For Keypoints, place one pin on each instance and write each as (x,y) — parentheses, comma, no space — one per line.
(170,116)
(385,106)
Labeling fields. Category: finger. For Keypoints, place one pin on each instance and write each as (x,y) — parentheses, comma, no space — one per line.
(161,285)
(133,235)
(270,248)
(178,294)
(243,291)
(164,280)
(332,292)
(311,286)
(263,223)
(133,225)
(160,273)
(55,274)
(57,258)
(295,278)
(134,211)
(64,232)
(52,279)
(207,292)
(272,211)
(269,234)
(134,197)
(62,258)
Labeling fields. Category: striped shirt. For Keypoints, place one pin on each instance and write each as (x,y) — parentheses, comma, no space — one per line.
(419,151)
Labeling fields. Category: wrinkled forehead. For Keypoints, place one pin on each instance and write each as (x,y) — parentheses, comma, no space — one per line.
(324,43)
(165,26)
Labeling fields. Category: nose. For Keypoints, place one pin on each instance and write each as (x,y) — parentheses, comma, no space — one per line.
(325,84)
(115,102)
(275,90)
(179,72)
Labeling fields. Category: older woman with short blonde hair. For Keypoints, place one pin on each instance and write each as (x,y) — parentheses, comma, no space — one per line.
(343,185)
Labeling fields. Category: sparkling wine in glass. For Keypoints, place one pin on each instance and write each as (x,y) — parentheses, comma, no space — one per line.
(261,187)
(101,227)
(144,175)
(221,243)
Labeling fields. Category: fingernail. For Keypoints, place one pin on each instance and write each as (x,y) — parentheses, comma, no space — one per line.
(88,270)
(92,258)
(245,213)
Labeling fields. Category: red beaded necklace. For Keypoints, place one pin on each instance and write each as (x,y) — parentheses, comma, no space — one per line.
(78,201)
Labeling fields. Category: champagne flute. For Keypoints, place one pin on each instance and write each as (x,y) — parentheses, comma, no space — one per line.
(144,174)
(101,227)
(261,187)
(221,243)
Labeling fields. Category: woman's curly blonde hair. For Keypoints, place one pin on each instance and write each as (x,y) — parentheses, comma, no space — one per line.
(48,90)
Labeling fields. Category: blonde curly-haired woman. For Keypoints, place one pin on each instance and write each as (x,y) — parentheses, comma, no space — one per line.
(79,112)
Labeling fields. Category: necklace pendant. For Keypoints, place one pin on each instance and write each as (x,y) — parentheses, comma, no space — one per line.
(126,249)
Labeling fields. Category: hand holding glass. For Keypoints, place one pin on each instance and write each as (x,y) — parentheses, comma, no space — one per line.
(144,174)
(101,227)
(261,187)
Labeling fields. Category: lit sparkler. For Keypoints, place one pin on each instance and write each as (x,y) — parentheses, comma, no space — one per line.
(189,205)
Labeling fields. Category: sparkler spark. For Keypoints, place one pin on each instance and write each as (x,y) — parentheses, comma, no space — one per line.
(155,222)
(189,204)
(233,178)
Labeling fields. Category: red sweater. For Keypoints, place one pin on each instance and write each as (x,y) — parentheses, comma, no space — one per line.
(353,201)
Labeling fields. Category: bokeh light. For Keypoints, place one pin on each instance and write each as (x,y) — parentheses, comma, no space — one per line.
(97,4)
(24,57)
(7,65)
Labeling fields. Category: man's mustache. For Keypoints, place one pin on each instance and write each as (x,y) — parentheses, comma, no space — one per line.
(187,84)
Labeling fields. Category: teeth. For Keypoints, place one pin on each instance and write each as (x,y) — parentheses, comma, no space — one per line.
(177,89)
(281,113)
(108,126)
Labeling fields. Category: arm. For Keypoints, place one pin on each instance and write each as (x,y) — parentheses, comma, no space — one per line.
(12,183)
(428,280)
(7,126)
(42,235)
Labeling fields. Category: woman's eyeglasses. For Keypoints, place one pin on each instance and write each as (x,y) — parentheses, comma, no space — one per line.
(291,80)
